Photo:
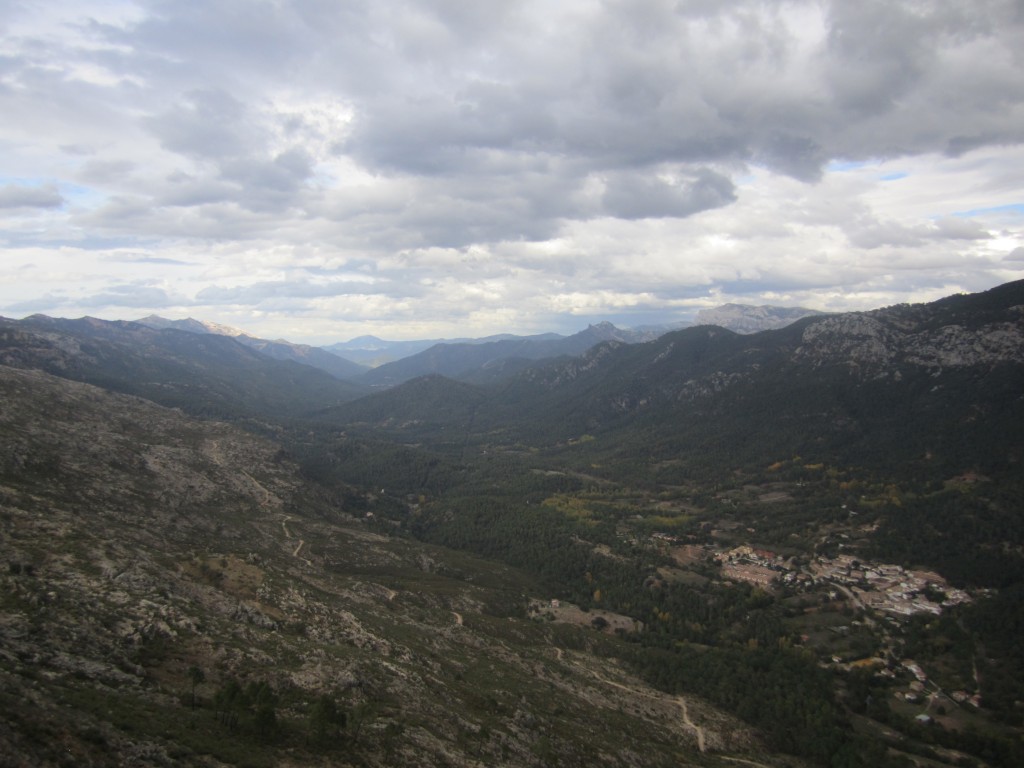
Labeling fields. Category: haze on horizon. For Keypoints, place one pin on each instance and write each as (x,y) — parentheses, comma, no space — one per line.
(431,168)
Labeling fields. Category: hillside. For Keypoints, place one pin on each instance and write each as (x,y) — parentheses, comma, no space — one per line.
(175,593)
(336,365)
(468,359)
(205,374)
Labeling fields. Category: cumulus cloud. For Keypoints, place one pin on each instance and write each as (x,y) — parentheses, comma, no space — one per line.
(118,296)
(301,288)
(629,196)
(24,196)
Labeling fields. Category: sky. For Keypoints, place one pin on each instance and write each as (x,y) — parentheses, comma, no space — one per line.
(317,170)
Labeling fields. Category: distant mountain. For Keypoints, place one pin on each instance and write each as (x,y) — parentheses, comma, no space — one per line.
(467,360)
(744,318)
(373,351)
(202,373)
(191,325)
(337,366)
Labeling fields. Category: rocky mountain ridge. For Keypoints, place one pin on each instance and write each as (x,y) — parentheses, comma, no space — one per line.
(279,349)
(900,335)
(746,318)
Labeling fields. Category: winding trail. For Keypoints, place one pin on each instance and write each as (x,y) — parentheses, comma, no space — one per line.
(288,535)
(690,724)
(684,711)
(215,452)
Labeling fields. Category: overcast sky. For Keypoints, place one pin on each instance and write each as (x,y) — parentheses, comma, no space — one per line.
(319,169)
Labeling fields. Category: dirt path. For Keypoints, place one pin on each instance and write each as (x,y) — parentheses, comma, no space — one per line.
(215,452)
(687,722)
(745,762)
(458,618)
(690,724)
(288,535)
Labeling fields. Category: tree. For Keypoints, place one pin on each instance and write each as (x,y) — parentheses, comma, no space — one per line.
(325,719)
(196,675)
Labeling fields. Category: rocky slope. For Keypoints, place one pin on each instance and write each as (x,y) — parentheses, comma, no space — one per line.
(744,318)
(151,560)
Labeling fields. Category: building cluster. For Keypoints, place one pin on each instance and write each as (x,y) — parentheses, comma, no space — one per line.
(889,588)
(883,587)
(754,566)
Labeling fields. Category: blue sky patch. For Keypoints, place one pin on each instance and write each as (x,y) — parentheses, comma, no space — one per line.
(1014,209)
(841,166)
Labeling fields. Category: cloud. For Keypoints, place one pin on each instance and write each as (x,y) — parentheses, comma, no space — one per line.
(629,196)
(959,228)
(497,164)
(23,196)
(874,233)
(140,296)
(49,302)
(257,293)
(143,258)
(206,124)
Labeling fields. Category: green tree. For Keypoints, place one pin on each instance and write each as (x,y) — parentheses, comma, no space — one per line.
(326,719)
(196,675)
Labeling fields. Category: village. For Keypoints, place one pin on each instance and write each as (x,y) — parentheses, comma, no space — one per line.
(880,590)
(882,587)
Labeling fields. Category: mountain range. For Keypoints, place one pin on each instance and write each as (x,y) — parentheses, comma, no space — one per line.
(336,365)
(824,383)
(477,358)
(393,362)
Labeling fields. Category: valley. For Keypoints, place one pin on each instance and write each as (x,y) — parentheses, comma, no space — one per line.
(795,548)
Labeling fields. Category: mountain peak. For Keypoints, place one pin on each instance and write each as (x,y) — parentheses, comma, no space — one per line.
(191,325)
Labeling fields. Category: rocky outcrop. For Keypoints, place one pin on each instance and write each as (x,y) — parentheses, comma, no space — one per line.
(744,318)
(872,341)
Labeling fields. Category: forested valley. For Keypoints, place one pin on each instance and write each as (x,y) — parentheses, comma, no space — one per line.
(824,541)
